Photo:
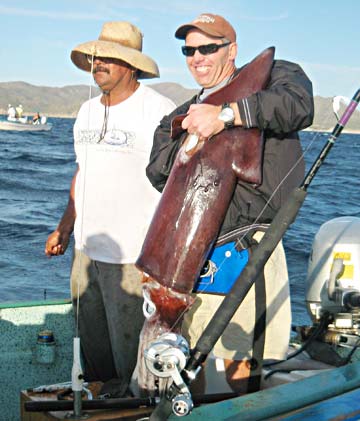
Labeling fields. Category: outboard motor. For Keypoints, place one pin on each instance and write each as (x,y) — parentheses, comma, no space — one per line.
(333,280)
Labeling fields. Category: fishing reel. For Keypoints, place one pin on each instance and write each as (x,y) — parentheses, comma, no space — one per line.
(166,358)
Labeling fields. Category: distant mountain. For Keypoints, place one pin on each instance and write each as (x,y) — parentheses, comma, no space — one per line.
(66,101)
(174,91)
(325,119)
(56,102)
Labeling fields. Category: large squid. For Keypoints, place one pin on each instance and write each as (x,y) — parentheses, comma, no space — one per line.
(192,208)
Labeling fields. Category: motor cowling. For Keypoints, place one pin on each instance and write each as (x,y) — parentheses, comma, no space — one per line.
(333,277)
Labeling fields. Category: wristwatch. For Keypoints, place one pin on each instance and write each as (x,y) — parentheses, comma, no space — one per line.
(227,115)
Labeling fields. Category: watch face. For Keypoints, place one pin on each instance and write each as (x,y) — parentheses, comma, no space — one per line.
(227,115)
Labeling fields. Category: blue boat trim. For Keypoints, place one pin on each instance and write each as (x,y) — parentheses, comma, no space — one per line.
(285,399)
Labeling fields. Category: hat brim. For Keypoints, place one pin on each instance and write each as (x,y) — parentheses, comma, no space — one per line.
(184,29)
(147,68)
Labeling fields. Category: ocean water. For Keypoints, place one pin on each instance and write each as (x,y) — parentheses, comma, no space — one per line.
(35,176)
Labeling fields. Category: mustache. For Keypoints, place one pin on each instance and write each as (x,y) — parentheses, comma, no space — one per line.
(100,69)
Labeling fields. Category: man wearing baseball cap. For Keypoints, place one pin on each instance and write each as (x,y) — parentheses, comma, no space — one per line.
(111,202)
(260,329)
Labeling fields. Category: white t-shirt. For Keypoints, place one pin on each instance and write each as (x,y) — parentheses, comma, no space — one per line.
(115,204)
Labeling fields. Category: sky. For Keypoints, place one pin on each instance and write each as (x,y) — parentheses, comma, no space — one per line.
(321,35)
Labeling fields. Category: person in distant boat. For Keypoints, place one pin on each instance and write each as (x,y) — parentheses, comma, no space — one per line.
(111,202)
(36,119)
(19,111)
(261,327)
(11,112)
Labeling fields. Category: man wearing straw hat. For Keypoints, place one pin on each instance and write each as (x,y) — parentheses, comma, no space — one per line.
(111,202)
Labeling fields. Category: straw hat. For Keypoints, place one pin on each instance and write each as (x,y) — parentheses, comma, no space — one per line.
(120,40)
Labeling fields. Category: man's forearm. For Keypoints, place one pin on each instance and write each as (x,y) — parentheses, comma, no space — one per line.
(66,224)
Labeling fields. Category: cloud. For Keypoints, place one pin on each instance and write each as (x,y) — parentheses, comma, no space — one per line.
(333,79)
(162,6)
(101,12)
(113,8)
(13,11)
(275,18)
(332,68)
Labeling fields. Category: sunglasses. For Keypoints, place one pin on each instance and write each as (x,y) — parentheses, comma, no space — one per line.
(203,49)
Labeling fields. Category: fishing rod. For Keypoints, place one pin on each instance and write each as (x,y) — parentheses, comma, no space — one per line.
(48,405)
(222,317)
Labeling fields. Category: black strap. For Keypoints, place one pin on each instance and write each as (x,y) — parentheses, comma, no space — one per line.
(242,235)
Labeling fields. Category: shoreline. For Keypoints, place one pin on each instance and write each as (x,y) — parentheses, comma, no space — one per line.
(345,130)
(308,129)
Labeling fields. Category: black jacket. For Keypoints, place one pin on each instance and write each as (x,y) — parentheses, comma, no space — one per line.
(285,107)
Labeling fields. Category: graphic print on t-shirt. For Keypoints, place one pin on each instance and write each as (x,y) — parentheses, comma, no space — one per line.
(115,137)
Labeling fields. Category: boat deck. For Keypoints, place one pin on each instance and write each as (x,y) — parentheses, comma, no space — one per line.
(332,394)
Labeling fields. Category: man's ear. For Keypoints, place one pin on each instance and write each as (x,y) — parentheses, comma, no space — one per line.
(233,51)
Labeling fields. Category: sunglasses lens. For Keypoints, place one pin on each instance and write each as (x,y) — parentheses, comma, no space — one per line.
(188,51)
(208,49)
(203,49)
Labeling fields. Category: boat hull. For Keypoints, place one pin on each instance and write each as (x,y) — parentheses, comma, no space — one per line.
(24,127)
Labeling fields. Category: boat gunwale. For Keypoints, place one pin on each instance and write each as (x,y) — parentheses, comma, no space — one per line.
(37,303)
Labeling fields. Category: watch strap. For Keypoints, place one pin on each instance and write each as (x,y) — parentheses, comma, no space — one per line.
(228,124)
